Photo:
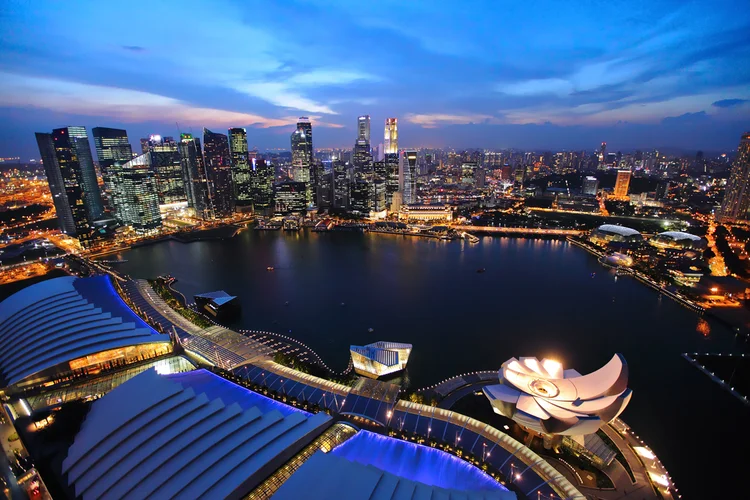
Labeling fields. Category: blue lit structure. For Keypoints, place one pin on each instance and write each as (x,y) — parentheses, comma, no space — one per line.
(69,324)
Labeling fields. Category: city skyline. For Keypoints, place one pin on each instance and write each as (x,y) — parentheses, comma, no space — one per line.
(649,76)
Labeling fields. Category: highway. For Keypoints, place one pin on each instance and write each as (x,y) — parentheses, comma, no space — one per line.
(535,231)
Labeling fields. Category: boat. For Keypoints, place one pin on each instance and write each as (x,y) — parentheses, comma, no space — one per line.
(370,330)
(269,268)
(343,304)
(481,270)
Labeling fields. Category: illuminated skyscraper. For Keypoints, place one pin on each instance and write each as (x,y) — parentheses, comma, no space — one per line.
(340,184)
(361,199)
(391,136)
(302,157)
(602,155)
(590,185)
(290,198)
(197,186)
(137,195)
(70,170)
(261,185)
(622,184)
(241,171)
(737,195)
(363,128)
(165,161)
(112,150)
(391,178)
(407,177)
(219,170)
(60,189)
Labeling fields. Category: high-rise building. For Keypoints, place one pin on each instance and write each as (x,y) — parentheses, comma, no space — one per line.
(622,184)
(136,192)
(602,155)
(60,187)
(363,128)
(290,197)
(197,187)
(72,179)
(171,177)
(112,150)
(391,136)
(340,173)
(468,173)
(590,185)
(79,142)
(241,169)
(219,169)
(407,177)
(302,157)
(261,181)
(737,195)
(361,200)
(377,192)
(391,178)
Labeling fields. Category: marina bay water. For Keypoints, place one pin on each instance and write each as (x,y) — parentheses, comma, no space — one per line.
(470,307)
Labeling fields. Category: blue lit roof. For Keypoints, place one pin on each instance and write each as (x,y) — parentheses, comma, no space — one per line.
(219,294)
(155,437)
(63,319)
(621,230)
(679,235)
(328,475)
(214,386)
(415,462)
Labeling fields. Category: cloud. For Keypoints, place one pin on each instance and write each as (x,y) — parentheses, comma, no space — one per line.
(686,118)
(729,103)
(322,76)
(120,104)
(134,48)
(436,119)
(280,94)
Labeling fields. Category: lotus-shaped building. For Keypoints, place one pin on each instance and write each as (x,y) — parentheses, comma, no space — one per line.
(541,396)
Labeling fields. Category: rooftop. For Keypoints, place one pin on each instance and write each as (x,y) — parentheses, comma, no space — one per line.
(621,230)
(679,235)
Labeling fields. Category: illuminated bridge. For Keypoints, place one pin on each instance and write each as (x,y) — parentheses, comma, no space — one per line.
(531,231)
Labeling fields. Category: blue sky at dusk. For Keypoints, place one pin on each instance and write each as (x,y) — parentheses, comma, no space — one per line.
(495,74)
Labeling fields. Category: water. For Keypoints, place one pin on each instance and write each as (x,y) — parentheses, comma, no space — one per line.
(412,461)
(536,298)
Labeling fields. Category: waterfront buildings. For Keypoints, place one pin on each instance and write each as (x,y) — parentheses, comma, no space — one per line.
(302,157)
(390,143)
(340,174)
(391,163)
(219,304)
(166,164)
(619,235)
(219,170)
(362,155)
(677,240)
(197,188)
(622,184)
(737,195)
(380,358)
(290,198)
(261,182)
(112,150)
(72,178)
(407,177)
(361,201)
(426,213)
(241,169)
(543,397)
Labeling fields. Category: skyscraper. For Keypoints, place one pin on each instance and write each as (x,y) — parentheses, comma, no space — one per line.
(262,185)
(362,156)
(622,184)
(197,187)
(112,150)
(302,157)
(72,179)
(57,185)
(737,195)
(590,185)
(165,161)
(391,178)
(290,197)
(241,171)
(361,199)
(340,184)
(137,195)
(219,171)
(391,136)
(407,177)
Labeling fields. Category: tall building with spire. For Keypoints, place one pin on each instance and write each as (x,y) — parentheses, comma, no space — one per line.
(219,170)
(737,195)
(362,155)
(302,157)
(391,136)
(241,170)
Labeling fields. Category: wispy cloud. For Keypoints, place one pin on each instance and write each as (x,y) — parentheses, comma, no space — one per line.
(117,103)
(323,76)
(280,94)
(134,48)
(437,119)
(729,103)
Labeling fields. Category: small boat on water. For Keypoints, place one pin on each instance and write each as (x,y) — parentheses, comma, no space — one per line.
(370,330)
(343,304)
(481,270)
(269,268)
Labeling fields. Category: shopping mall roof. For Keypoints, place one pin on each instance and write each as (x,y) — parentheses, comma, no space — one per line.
(326,475)
(62,319)
(679,235)
(621,230)
(165,437)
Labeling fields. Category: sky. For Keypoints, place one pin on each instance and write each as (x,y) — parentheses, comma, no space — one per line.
(487,74)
